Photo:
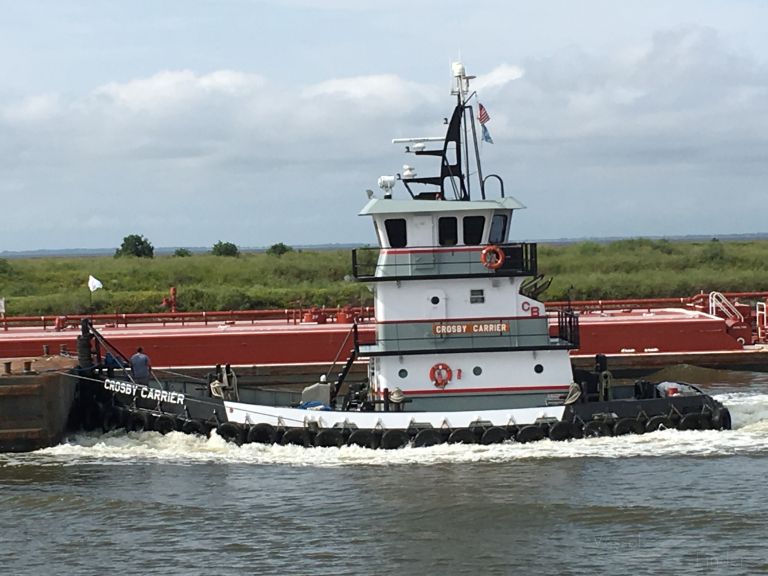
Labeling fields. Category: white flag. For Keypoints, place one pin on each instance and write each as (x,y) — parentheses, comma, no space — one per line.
(2,305)
(94,284)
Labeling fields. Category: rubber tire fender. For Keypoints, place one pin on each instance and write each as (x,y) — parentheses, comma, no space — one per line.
(462,436)
(427,437)
(231,432)
(560,431)
(394,439)
(628,426)
(596,429)
(690,421)
(364,439)
(657,422)
(261,433)
(329,438)
(195,427)
(165,423)
(296,437)
(530,433)
(721,418)
(137,422)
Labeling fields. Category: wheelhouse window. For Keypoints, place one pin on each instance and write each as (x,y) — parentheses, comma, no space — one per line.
(473,230)
(448,231)
(498,229)
(396,232)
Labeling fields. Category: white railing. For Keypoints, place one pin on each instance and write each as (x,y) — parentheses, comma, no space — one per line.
(719,303)
(762,321)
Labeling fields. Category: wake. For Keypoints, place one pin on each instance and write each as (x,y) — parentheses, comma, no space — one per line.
(749,412)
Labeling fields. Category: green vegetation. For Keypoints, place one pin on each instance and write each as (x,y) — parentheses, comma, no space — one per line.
(286,278)
(182,253)
(278,249)
(225,249)
(135,245)
(642,268)
(204,282)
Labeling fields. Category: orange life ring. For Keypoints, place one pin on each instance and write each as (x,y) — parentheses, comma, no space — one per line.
(492,257)
(440,374)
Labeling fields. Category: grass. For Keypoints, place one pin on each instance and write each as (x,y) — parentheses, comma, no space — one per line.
(636,268)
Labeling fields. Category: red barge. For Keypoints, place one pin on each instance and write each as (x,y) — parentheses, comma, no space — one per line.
(637,336)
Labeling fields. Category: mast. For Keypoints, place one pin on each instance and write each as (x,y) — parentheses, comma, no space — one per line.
(455,153)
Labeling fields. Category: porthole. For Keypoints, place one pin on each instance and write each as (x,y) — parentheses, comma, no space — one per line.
(403,373)
(477,370)
(435,300)
(538,368)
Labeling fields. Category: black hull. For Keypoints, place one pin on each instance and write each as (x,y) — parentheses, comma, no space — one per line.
(579,420)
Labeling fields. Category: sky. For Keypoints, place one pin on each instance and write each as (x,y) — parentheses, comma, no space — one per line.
(257,122)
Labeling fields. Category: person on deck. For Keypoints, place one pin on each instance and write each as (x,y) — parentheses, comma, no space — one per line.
(141,368)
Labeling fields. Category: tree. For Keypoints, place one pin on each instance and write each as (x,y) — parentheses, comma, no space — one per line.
(182,253)
(279,249)
(225,249)
(135,245)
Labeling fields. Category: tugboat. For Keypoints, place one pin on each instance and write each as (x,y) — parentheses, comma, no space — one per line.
(463,350)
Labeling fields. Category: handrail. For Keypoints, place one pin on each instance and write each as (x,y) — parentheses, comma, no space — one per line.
(762,321)
(719,303)
(441,262)
(697,300)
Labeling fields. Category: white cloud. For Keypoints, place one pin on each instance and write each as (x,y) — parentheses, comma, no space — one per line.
(31,109)
(171,91)
(596,125)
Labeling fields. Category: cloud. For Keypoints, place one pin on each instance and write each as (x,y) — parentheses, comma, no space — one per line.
(31,109)
(170,91)
(680,113)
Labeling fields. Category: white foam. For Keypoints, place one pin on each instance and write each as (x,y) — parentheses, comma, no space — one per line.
(749,436)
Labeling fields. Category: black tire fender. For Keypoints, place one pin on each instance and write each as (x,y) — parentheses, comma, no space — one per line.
(659,422)
(364,439)
(560,431)
(690,422)
(596,429)
(427,437)
(530,433)
(394,439)
(462,436)
(721,418)
(137,422)
(297,437)
(165,423)
(329,438)
(195,427)
(262,433)
(628,426)
(231,432)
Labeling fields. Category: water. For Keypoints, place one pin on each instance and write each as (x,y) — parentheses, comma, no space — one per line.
(665,503)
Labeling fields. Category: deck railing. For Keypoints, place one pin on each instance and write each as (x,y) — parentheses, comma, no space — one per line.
(431,262)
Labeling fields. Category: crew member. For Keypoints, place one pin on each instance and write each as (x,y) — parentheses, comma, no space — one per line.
(141,368)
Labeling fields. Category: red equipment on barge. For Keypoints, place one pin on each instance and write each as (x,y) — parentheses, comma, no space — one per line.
(714,330)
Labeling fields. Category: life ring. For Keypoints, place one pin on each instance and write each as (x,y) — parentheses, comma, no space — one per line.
(440,374)
(492,257)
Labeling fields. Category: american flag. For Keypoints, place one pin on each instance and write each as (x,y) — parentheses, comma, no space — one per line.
(482,113)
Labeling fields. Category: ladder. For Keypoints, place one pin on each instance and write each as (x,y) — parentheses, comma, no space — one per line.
(719,303)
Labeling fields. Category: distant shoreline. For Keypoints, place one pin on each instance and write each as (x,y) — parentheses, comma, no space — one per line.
(167,251)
